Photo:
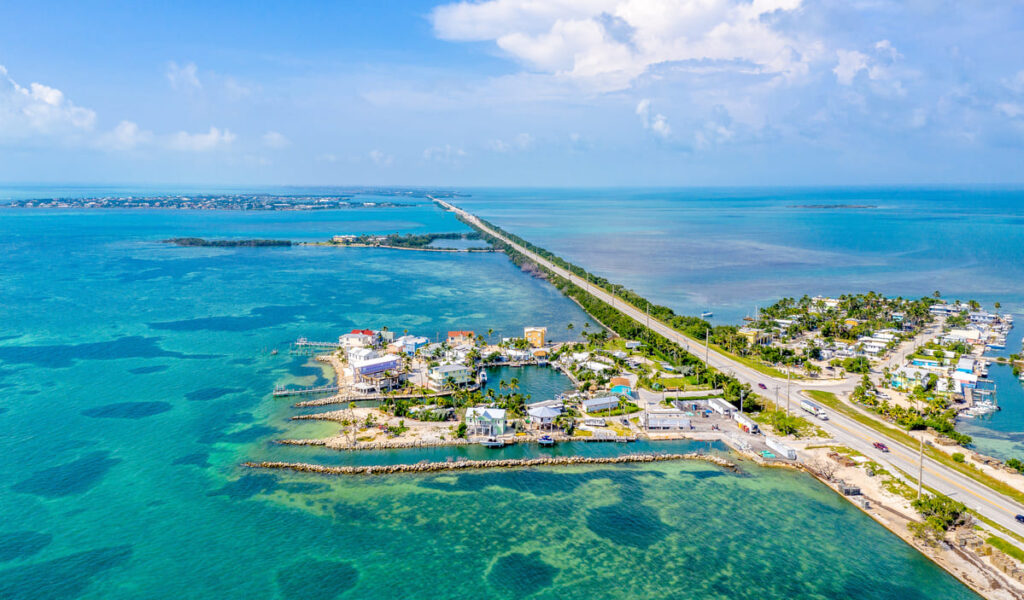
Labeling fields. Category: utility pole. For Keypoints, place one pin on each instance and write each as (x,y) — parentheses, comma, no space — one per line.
(743,396)
(707,345)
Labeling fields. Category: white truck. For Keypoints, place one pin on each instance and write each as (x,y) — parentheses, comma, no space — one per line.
(814,409)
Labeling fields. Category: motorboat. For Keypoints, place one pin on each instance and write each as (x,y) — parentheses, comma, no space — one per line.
(546,440)
(492,442)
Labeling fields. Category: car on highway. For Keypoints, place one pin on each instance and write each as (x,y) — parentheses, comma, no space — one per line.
(881,446)
(1020,518)
(762,386)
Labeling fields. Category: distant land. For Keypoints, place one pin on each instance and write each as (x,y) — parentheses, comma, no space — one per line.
(211,202)
(840,206)
(194,241)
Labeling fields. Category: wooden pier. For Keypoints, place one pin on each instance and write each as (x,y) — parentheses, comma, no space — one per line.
(306,391)
(304,345)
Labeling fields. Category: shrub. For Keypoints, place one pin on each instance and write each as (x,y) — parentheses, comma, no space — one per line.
(958,457)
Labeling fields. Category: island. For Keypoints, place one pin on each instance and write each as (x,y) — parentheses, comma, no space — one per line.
(346,199)
(194,241)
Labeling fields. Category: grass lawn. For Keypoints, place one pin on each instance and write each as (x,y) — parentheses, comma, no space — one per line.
(614,412)
(831,400)
(1006,547)
(755,364)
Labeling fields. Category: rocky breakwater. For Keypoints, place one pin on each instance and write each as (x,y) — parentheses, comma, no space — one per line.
(506,463)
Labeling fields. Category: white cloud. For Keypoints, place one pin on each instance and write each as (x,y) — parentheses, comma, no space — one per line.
(607,44)
(183,78)
(381,159)
(126,136)
(445,154)
(1011,109)
(657,123)
(850,63)
(523,141)
(39,110)
(273,139)
(201,142)
(884,73)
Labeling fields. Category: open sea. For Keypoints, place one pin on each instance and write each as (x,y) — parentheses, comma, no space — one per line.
(135,377)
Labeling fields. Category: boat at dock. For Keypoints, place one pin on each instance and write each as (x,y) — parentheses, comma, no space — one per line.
(981,408)
(492,442)
(546,440)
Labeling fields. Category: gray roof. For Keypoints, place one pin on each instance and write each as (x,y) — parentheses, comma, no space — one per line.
(544,412)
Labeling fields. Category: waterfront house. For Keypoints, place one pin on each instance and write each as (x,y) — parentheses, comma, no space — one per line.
(967,335)
(535,335)
(602,403)
(515,354)
(965,365)
(409,344)
(358,354)
(358,338)
(580,356)
(439,376)
(460,337)
(596,367)
(379,373)
(485,420)
(543,416)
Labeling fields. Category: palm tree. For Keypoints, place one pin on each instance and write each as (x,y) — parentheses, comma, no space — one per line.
(513,384)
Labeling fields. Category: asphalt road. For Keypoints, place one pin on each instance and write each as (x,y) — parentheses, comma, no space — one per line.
(844,430)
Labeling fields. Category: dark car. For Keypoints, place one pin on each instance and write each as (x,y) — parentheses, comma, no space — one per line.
(762,386)
(881,446)
(1020,518)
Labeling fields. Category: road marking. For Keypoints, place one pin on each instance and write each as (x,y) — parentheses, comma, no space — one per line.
(928,469)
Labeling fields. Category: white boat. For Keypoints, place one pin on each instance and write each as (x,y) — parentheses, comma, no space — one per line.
(706,314)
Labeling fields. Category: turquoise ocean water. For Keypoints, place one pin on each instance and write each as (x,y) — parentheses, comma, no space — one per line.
(135,377)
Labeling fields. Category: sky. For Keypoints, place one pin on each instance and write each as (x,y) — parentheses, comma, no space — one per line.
(513,92)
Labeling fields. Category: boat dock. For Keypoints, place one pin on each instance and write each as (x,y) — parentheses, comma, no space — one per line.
(323,389)
(305,345)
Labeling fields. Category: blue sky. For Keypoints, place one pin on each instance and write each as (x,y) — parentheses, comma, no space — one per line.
(513,92)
